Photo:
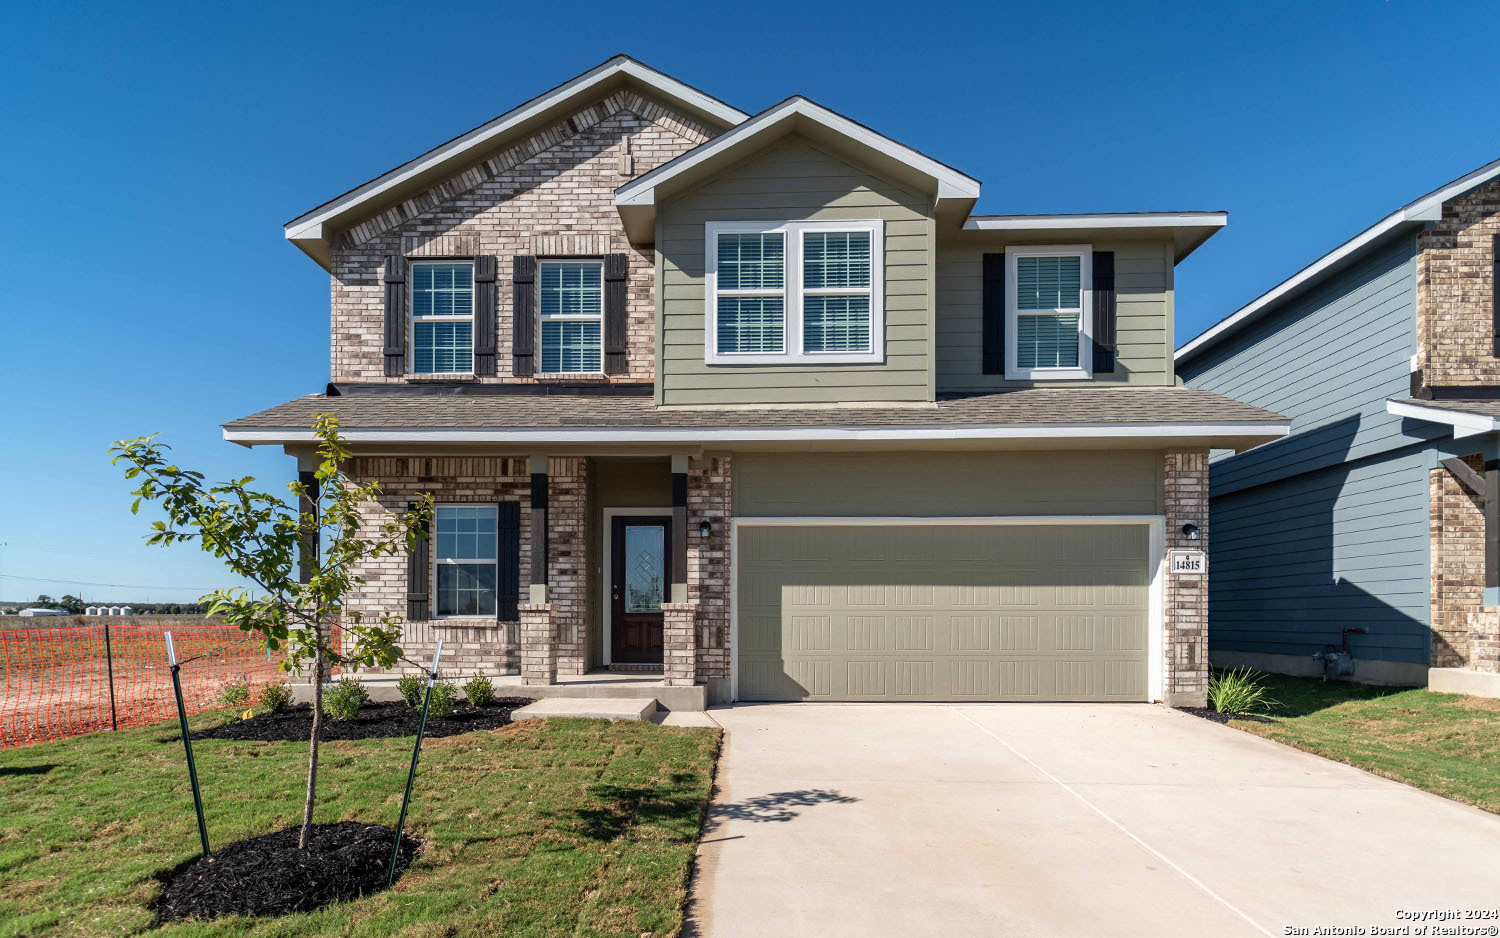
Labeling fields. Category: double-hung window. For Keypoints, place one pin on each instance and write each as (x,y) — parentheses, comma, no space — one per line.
(442,317)
(1048,323)
(572,314)
(465,560)
(801,292)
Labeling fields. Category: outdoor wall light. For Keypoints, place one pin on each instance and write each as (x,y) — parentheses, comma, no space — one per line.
(704,528)
(1190,530)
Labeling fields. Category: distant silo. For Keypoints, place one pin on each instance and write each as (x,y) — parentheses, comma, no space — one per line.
(91,611)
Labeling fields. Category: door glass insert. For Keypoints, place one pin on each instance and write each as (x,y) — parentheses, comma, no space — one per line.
(645,562)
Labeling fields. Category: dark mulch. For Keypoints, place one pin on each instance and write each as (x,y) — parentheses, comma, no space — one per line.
(1208,713)
(375,721)
(268,875)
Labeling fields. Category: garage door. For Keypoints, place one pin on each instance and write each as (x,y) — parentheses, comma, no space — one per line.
(942,612)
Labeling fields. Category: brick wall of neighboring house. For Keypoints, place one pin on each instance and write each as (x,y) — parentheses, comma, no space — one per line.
(481,644)
(1464,630)
(1185,498)
(1455,290)
(710,498)
(552,194)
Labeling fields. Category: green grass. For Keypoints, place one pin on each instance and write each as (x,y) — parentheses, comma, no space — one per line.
(561,827)
(1448,744)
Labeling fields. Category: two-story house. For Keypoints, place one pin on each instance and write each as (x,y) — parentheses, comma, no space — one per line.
(756,402)
(1376,524)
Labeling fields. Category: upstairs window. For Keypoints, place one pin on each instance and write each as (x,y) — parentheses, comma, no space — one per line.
(799,292)
(1048,318)
(465,560)
(572,314)
(442,316)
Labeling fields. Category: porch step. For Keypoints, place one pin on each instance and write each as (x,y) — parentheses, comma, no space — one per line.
(595,708)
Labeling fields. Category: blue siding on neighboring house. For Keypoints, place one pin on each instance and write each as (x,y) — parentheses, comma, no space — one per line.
(1327,528)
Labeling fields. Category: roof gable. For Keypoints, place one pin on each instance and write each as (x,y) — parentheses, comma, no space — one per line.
(313,231)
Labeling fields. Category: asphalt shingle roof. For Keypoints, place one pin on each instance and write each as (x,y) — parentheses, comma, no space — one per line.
(1482,408)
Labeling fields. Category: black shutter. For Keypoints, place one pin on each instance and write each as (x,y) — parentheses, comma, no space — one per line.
(616,270)
(992,307)
(508,558)
(485,277)
(395,315)
(1495,288)
(418,572)
(523,315)
(1104,312)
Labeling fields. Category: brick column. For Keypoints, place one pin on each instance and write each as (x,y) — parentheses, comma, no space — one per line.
(679,644)
(538,644)
(710,498)
(1185,497)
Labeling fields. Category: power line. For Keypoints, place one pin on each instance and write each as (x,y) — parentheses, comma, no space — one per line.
(132,586)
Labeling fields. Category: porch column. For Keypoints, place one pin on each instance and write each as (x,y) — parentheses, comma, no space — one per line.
(679,616)
(1185,483)
(538,617)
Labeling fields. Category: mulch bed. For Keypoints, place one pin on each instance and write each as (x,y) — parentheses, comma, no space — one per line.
(268,875)
(1208,713)
(375,721)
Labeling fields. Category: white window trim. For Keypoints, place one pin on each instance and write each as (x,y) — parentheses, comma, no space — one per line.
(566,317)
(792,292)
(1085,368)
(435,562)
(411,315)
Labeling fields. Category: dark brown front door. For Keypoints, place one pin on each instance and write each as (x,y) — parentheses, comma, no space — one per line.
(641,576)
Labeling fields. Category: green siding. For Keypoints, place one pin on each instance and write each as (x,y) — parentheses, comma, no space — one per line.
(956,484)
(1143,286)
(943,612)
(790,180)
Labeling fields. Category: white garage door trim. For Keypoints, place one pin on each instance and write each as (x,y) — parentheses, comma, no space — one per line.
(1155,561)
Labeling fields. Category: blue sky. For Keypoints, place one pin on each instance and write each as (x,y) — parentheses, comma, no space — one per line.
(151,158)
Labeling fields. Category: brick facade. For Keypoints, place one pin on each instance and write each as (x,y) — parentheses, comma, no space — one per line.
(1185,498)
(710,498)
(1465,632)
(679,644)
(1455,291)
(482,644)
(552,194)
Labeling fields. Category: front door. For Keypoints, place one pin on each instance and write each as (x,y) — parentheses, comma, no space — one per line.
(639,581)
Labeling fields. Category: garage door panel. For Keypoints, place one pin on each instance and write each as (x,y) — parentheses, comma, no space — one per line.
(970,612)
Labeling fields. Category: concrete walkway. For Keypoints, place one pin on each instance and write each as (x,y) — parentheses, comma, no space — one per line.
(995,819)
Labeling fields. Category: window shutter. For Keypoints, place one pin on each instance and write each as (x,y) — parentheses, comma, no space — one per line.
(395,315)
(523,315)
(1104,312)
(992,307)
(485,284)
(508,562)
(1495,288)
(616,270)
(418,572)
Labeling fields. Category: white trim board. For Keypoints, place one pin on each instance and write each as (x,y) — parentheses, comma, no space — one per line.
(606,537)
(1427,208)
(1156,559)
(1463,424)
(1267,430)
(1101,220)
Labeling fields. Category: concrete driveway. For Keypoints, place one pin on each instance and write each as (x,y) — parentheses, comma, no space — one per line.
(995,819)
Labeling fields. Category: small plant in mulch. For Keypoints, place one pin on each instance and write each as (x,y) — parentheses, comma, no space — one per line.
(343,701)
(270,875)
(234,694)
(1236,694)
(374,721)
(444,698)
(479,690)
(411,688)
(277,697)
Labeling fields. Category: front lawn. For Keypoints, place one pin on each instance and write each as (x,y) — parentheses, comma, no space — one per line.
(1446,743)
(562,827)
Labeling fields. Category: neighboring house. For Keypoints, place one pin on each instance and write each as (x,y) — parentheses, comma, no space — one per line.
(1372,514)
(755,402)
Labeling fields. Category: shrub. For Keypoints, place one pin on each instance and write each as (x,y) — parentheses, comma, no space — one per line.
(234,694)
(411,687)
(1238,691)
(443,698)
(277,697)
(479,690)
(343,700)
